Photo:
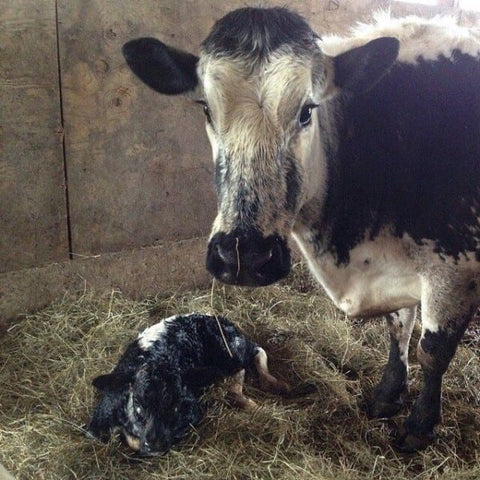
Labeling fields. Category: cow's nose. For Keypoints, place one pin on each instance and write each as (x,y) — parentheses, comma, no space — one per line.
(231,258)
(250,260)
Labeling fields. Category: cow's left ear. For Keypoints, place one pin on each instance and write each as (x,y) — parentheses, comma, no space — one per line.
(359,69)
(110,382)
(163,68)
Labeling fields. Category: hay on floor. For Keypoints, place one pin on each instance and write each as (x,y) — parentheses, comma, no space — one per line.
(320,431)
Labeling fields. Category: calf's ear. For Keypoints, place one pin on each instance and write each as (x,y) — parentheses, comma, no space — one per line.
(110,382)
(359,69)
(163,68)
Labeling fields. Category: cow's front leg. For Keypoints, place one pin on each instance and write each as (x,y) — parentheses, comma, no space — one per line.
(387,396)
(443,325)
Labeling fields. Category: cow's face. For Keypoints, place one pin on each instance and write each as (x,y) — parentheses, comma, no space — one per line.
(261,123)
(260,77)
(150,410)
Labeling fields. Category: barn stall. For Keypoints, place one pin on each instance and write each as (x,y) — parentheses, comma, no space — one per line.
(107,197)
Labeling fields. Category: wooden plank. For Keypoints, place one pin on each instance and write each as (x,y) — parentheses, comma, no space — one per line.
(140,168)
(33,227)
(400,9)
(169,268)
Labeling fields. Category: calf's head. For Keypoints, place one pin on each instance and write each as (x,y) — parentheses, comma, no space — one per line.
(260,77)
(150,409)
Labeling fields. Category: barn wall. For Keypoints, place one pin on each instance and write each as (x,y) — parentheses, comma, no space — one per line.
(98,174)
(33,228)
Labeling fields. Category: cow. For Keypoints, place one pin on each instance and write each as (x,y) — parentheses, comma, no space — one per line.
(152,396)
(365,150)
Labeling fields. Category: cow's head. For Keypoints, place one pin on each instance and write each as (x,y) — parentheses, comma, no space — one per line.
(151,409)
(260,77)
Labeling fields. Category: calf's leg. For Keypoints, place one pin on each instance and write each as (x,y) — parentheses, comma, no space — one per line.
(267,380)
(236,394)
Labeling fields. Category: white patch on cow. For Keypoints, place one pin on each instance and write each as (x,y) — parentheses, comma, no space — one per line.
(378,279)
(445,291)
(402,327)
(429,319)
(255,112)
(419,37)
(154,333)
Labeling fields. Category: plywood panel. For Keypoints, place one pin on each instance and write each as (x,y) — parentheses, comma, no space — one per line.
(33,227)
(169,268)
(139,164)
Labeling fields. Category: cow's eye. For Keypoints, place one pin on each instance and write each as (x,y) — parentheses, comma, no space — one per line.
(305,118)
(206,111)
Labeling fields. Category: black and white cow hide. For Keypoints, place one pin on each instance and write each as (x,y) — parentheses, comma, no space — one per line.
(152,396)
(365,149)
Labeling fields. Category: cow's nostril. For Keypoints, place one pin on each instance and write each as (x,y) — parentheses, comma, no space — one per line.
(235,259)
(258,260)
(248,259)
(222,254)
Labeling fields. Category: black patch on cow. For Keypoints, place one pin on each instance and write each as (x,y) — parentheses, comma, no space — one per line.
(359,69)
(408,157)
(292,178)
(439,348)
(441,345)
(256,32)
(246,204)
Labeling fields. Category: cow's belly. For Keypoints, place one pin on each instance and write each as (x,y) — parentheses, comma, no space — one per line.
(379,278)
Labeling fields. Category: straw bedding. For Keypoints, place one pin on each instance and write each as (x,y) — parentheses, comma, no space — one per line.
(320,431)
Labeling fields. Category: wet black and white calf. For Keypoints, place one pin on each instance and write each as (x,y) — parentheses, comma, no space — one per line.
(151,398)
(364,149)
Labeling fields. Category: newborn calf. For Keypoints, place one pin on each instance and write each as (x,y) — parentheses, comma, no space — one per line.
(152,396)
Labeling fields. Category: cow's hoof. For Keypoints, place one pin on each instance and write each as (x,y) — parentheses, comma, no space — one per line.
(378,409)
(410,443)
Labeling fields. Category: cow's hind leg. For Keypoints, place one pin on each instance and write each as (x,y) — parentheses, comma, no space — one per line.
(387,396)
(444,320)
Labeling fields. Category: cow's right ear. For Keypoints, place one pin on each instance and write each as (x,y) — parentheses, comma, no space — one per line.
(163,68)
(110,382)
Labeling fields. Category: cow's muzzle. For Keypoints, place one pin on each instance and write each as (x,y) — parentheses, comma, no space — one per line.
(248,258)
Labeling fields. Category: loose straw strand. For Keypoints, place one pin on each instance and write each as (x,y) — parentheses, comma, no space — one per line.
(218,321)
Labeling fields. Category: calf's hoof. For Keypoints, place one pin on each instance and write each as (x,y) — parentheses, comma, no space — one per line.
(408,442)
(269,383)
(380,409)
(241,401)
(281,387)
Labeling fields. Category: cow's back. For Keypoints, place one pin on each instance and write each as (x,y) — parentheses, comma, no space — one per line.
(408,149)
